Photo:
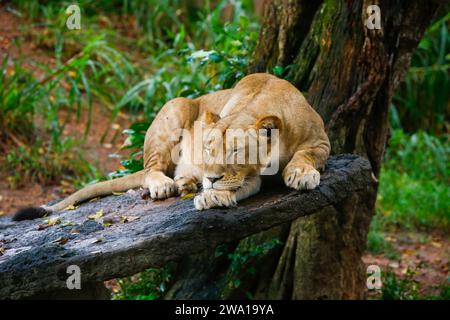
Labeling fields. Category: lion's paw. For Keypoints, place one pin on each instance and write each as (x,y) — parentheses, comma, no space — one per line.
(186,185)
(302,177)
(160,186)
(214,198)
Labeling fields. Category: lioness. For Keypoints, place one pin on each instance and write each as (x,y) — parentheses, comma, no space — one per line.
(259,103)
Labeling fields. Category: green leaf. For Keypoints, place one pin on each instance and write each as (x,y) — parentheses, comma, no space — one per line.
(278,71)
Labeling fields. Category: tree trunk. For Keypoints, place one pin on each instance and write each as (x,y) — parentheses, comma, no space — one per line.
(348,73)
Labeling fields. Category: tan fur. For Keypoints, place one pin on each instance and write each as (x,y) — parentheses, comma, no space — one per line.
(257,101)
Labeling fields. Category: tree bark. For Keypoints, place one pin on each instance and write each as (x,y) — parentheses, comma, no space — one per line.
(348,74)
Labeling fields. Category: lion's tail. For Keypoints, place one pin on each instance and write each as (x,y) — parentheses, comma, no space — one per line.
(103,188)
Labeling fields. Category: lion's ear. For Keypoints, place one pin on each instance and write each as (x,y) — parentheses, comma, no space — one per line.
(210,118)
(266,125)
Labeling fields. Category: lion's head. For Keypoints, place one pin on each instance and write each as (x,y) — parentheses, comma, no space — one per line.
(236,148)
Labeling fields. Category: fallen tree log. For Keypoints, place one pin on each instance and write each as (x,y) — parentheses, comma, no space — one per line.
(121,235)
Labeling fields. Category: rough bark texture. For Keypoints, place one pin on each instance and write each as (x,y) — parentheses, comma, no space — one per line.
(286,24)
(348,74)
(34,256)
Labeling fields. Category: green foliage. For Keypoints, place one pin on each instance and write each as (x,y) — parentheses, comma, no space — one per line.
(152,22)
(422,101)
(147,285)
(283,72)
(240,257)
(189,72)
(16,104)
(414,186)
(153,283)
(35,111)
(46,164)
(106,72)
(377,243)
(134,141)
(242,261)
(412,203)
(414,189)
(405,288)
(420,155)
(444,294)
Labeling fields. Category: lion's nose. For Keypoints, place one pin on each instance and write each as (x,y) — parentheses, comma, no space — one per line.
(214,179)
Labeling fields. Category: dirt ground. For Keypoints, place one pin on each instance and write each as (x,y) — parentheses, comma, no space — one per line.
(425,253)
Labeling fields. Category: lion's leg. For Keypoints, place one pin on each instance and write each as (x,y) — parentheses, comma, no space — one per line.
(161,138)
(251,186)
(302,171)
(211,198)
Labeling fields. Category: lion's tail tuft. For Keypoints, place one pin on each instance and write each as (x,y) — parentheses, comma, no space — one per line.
(30,213)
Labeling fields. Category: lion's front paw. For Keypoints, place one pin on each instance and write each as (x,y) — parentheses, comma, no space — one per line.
(302,177)
(159,185)
(186,185)
(214,198)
